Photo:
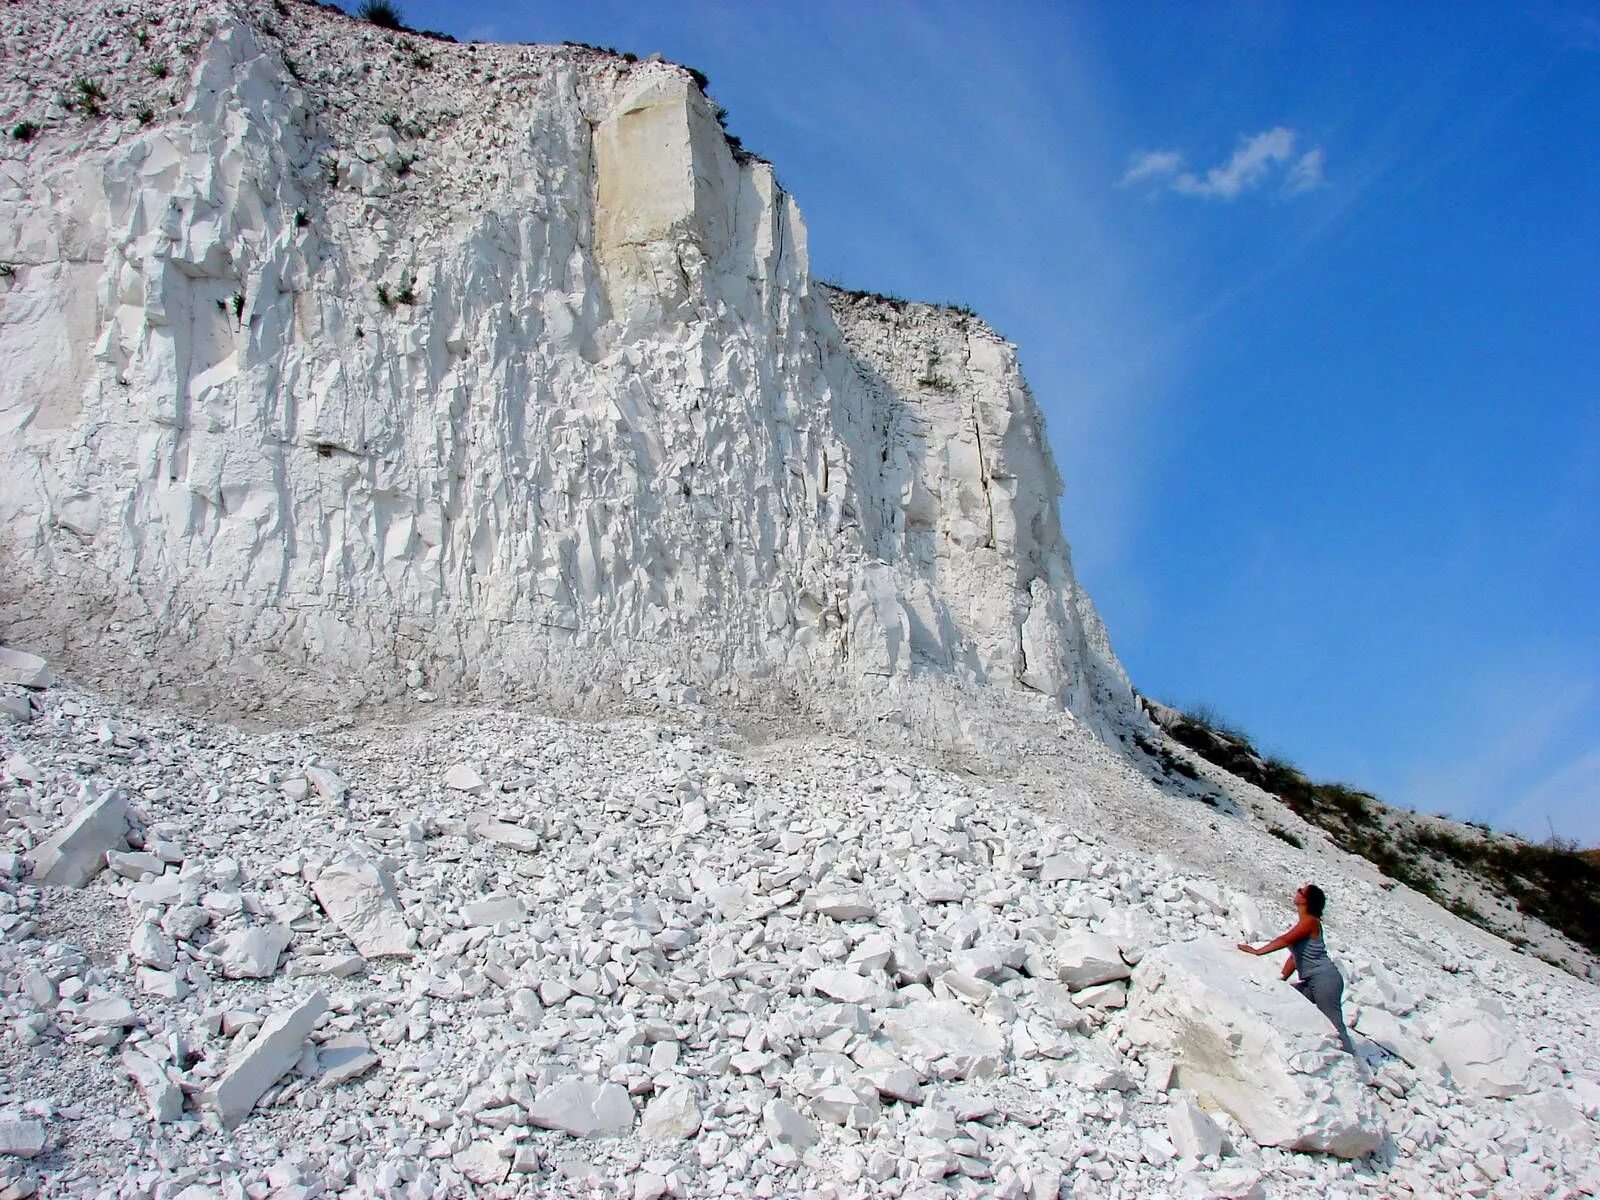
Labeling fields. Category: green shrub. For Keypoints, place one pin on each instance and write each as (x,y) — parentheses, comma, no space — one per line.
(24,131)
(381,13)
(84,97)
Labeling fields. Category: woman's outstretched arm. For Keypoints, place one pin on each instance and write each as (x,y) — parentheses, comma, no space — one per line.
(1304,927)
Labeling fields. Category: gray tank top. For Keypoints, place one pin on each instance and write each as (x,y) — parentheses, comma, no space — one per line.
(1310,955)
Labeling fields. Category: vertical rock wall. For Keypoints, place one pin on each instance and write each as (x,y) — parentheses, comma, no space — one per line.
(339,364)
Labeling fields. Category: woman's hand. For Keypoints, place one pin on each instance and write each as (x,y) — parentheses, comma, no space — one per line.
(1248,948)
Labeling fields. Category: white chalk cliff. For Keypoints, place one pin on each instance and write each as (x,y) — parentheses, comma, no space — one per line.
(341,364)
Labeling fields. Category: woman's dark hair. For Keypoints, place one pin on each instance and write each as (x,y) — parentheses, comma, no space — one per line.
(1315,900)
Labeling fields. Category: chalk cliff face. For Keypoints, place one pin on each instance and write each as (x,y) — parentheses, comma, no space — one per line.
(342,364)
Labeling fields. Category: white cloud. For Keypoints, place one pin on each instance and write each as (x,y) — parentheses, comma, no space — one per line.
(1248,169)
(1258,159)
(1151,164)
(1306,176)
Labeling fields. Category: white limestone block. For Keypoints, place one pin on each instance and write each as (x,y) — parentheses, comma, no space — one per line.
(75,854)
(270,1054)
(22,1139)
(939,889)
(328,784)
(1084,959)
(253,952)
(786,1127)
(843,906)
(1067,865)
(153,946)
(359,896)
(111,1013)
(1055,1003)
(161,1092)
(343,1058)
(1103,995)
(947,1031)
(673,1116)
(1485,1056)
(482,1163)
(583,1109)
(840,1104)
(23,771)
(844,985)
(1248,1044)
(134,864)
(1399,1038)
(1193,1133)
(495,910)
(513,837)
(22,669)
(464,778)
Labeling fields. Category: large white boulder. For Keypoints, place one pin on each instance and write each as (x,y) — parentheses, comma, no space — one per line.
(1249,1044)
(1485,1056)
(360,897)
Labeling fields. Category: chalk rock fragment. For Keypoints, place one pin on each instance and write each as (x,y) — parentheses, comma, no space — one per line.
(1065,866)
(844,985)
(1193,1133)
(111,1013)
(360,897)
(1085,959)
(1485,1057)
(583,1109)
(153,946)
(513,837)
(1247,1043)
(74,855)
(464,778)
(673,1116)
(844,906)
(494,910)
(270,1054)
(344,1058)
(22,669)
(946,1031)
(482,1163)
(161,1092)
(328,784)
(252,953)
(786,1127)
(22,1139)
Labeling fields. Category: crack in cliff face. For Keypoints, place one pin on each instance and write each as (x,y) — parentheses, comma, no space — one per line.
(613,404)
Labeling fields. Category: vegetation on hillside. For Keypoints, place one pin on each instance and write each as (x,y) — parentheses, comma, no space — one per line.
(1554,882)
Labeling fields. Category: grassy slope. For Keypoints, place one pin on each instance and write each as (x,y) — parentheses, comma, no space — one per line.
(1456,865)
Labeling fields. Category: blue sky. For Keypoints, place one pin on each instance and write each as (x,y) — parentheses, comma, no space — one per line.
(1308,294)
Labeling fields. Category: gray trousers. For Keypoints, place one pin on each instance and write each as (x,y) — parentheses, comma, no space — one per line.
(1325,989)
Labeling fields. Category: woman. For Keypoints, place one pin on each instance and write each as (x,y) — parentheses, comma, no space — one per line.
(1320,981)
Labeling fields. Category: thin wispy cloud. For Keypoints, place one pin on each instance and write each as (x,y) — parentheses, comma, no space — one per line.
(1153,164)
(1306,174)
(1259,160)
